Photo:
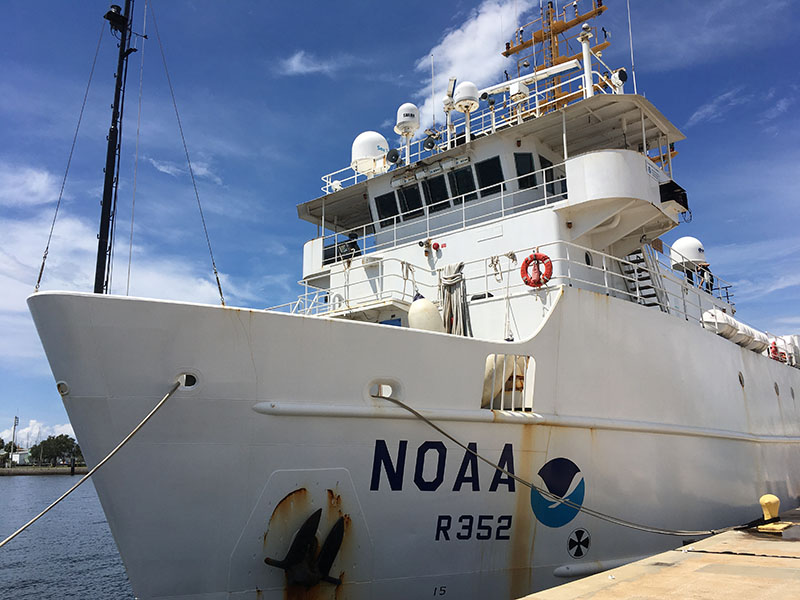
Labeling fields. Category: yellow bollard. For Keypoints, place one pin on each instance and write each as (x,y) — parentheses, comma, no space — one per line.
(770,506)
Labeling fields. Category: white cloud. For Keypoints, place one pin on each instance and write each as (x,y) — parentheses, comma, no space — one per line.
(166,167)
(36,431)
(303,63)
(776,110)
(469,52)
(70,266)
(718,106)
(26,186)
(199,168)
(202,169)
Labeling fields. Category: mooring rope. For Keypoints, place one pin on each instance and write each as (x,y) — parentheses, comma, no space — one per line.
(136,152)
(551,496)
(186,150)
(173,389)
(69,161)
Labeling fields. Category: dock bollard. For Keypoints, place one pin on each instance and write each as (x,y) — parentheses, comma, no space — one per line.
(770,506)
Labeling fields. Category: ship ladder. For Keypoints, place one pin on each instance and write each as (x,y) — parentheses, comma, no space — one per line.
(640,282)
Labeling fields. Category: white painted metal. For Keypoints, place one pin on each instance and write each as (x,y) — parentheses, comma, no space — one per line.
(669,424)
(586,51)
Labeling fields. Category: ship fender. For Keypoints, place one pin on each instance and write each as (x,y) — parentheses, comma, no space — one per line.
(423,314)
(540,274)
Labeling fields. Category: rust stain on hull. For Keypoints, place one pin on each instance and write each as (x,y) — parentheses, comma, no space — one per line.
(286,508)
(522,537)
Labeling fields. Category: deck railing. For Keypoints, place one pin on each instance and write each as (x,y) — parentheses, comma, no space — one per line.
(498,277)
(549,186)
(504,114)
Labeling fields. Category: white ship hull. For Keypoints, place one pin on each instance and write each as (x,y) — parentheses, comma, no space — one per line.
(281,422)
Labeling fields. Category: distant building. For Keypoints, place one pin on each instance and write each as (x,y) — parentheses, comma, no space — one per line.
(20,457)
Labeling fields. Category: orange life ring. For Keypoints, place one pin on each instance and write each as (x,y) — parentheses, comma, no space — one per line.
(536,278)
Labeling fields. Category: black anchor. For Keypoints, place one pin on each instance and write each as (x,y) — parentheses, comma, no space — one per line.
(302,564)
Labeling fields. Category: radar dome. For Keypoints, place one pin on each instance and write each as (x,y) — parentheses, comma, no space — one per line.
(369,153)
(466,96)
(407,119)
(687,252)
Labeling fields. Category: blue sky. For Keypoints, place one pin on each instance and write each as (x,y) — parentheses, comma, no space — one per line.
(271,96)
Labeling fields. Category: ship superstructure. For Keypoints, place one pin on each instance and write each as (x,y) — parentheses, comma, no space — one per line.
(487,306)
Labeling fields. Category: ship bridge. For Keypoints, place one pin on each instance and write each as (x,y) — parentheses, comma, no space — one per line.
(600,122)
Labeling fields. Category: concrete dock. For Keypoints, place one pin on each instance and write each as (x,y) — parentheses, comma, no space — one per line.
(732,565)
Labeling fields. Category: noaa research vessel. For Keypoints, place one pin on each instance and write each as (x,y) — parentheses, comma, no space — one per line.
(498,377)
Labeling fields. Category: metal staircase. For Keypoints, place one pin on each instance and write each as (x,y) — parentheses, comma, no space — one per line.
(643,278)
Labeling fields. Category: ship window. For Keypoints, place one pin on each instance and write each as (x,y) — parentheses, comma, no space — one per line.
(410,200)
(387,208)
(556,182)
(435,190)
(524,164)
(462,183)
(489,173)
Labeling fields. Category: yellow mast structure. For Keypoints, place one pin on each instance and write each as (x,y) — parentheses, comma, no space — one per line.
(546,31)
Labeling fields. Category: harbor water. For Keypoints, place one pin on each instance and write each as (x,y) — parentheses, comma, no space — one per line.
(68,553)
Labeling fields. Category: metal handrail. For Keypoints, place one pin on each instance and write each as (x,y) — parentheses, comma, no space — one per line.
(365,234)
(689,303)
(484,121)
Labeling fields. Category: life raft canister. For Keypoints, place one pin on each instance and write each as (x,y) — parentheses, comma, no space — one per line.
(536,278)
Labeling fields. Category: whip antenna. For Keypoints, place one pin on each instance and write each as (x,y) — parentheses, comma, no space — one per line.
(630,40)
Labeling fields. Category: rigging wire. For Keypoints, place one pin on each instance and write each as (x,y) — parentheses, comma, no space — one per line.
(189,162)
(113,229)
(69,161)
(136,152)
(554,497)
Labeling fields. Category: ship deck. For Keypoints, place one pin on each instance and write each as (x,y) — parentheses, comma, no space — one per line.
(734,565)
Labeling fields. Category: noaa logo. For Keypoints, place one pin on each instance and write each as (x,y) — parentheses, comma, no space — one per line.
(563,478)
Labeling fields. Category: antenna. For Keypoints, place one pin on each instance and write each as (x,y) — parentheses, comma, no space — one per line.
(451,87)
(433,98)
(630,39)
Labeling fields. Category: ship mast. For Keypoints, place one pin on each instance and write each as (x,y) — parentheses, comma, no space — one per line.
(546,31)
(120,22)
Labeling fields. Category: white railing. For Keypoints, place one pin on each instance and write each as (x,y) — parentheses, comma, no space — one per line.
(498,277)
(506,382)
(550,187)
(505,113)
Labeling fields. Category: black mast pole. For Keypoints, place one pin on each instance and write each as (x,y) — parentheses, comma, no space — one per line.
(119,22)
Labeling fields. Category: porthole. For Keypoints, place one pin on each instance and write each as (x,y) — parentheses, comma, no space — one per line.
(191,380)
(741,379)
(777,389)
(588,259)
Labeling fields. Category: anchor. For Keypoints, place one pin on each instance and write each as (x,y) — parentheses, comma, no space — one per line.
(302,564)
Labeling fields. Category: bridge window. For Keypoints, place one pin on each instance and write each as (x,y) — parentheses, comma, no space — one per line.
(551,175)
(387,208)
(524,163)
(410,200)
(462,183)
(489,173)
(435,190)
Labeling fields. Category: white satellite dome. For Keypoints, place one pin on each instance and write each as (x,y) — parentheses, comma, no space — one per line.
(466,96)
(407,119)
(687,252)
(369,153)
